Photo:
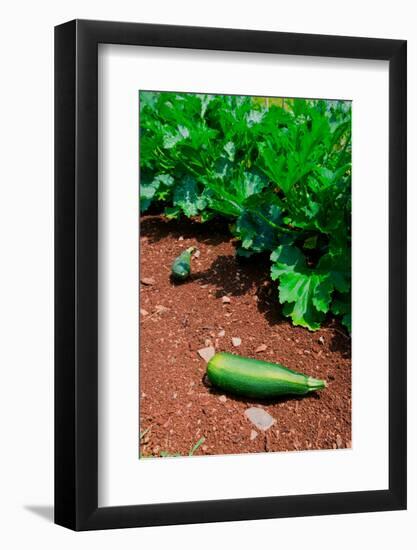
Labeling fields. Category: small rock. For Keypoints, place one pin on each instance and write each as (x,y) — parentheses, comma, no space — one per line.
(262,419)
(174,395)
(307,352)
(226,300)
(181,238)
(221,333)
(206,353)
(236,341)
(207,342)
(197,254)
(261,348)
(144,312)
(223,398)
(339,441)
(253,434)
(321,340)
(161,309)
(147,281)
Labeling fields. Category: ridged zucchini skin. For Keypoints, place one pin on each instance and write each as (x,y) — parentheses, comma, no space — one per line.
(181,266)
(259,379)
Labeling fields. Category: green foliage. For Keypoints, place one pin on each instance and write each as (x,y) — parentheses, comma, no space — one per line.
(279,170)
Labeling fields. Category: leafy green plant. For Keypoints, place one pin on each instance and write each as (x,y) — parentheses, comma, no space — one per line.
(279,170)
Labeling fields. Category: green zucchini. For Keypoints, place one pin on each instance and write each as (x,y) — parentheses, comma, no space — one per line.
(260,379)
(181,266)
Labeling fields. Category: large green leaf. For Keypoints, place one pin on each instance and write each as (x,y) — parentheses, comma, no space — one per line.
(306,291)
(188,198)
(248,183)
(146,194)
(299,292)
(159,188)
(256,230)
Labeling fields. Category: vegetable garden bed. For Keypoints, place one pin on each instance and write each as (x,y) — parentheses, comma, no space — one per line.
(227,298)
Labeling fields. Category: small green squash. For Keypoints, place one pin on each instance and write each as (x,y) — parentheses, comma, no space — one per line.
(181,266)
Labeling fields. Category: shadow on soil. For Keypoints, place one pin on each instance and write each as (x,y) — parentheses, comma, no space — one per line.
(156,229)
(340,341)
(229,276)
(234,276)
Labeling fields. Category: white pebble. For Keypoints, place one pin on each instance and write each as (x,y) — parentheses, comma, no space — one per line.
(206,353)
(262,419)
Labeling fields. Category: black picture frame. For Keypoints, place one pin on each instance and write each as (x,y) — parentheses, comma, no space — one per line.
(76,272)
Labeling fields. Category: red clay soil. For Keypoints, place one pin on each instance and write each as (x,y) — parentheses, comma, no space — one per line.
(177,407)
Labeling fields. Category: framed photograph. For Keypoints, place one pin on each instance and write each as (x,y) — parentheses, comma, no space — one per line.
(230,252)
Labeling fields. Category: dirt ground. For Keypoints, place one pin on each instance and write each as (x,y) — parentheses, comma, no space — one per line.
(177,407)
